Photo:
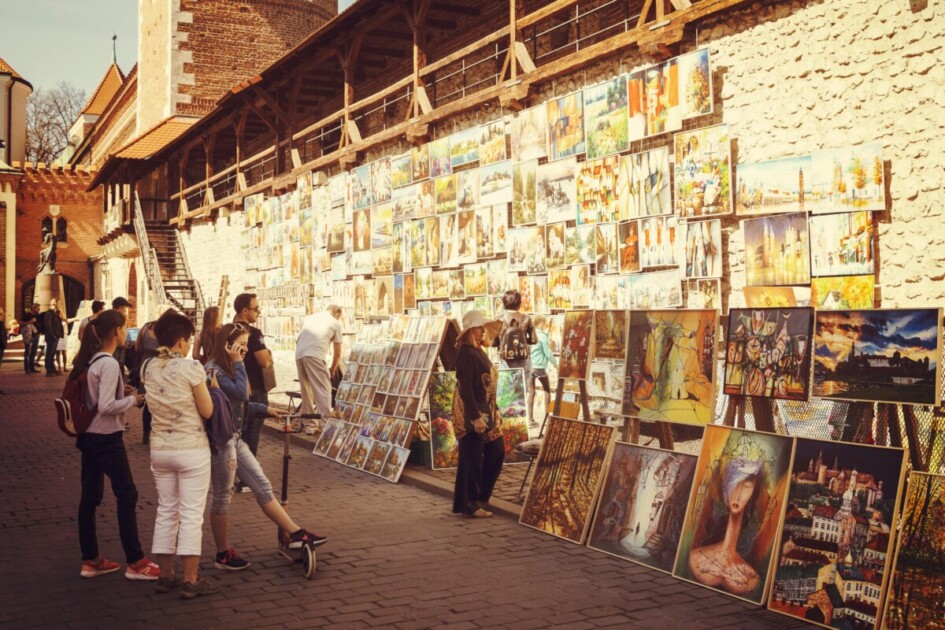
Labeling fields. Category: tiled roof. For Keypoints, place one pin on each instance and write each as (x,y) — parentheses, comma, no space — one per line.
(105,92)
(6,68)
(155,139)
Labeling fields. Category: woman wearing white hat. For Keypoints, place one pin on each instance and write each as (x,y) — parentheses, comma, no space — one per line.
(476,420)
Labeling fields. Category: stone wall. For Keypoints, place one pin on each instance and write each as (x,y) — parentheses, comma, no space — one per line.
(156,20)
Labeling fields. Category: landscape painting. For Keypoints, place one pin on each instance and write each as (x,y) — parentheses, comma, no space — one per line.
(565,126)
(767,353)
(443,446)
(524,176)
(530,134)
(777,250)
(495,183)
(848,179)
(670,366)
(568,473)
(575,344)
(643,505)
(703,172)
(555,191)
(510,396)
(735,511)
(492,145)
(882,355)
(836,545)
(643,184)
(842,244)
(774,186)
(605,118)
(843,293)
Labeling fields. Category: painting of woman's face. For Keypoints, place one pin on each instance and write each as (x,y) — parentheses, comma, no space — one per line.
(740,496)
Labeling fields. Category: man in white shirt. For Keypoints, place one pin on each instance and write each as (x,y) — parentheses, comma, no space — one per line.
(97,307)
(320,332)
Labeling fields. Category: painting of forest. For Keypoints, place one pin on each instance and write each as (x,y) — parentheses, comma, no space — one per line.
(918,579)
(643,504)
(510,401)
(443,448)
(567,477)
(610,334)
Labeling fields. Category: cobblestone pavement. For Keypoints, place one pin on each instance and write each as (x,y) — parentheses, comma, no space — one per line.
(397,557)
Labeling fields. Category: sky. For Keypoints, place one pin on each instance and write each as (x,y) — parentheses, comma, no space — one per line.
(48,41)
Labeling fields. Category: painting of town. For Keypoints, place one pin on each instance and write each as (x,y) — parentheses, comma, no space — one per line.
(886,355)
(703,172)
(670,366)
(848,179)
(918,577)
(777,250)
(772,187)
(842,244)
(768,353)
(835,547)
(843,293)
(643,504)
(734,512)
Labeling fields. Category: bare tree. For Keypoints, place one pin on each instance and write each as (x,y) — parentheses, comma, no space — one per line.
(50,113)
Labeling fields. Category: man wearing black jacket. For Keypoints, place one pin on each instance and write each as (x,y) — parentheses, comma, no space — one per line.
(53,331)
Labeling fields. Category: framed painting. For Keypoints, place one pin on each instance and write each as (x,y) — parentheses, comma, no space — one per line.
(703,172)
(703,249)
(768,353)
(836,545)
(565,120)
(643,185)
(576,344)
(530,134)
(843,294)
(596,186)
(555,192)
(511,401)
(848,179)
(567,478)
(606,118)
(610,335)
(735,510)
(881,355)
(492,144)
(842,244)
(670,366)
(524,192)
(773,186)
(643,504)
(777,250)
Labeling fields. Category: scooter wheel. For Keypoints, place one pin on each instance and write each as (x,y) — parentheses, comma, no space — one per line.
(308,561)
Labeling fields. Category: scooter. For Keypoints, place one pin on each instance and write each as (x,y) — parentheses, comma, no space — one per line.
(306,554)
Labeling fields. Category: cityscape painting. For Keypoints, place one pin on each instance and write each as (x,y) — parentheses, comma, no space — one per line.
(774,186)
(842,244)
(848,179)
(777,250)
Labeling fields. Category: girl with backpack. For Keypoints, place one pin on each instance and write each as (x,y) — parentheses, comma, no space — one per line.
(103,450)
(515,342)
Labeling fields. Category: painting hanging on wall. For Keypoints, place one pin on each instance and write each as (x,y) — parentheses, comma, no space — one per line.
(659,245)
(606,121)
(576,344)
(670,366)
(608,253)
(643,505)
(703,172)
(628,236)
(559,289)
(495,184)
(643,184)
(492,145)
(439,152)
(530,134)
(842,244)
(658,289)
(837,541)
(777,250)
(843,294)
(567,478)
(734,512)
(768,353)
(916,583)
(464,147)
(596,186)
(884,355)
(524,176)
(565,126)
(400,171)
(848,179)
(610,334)
(704,294)
(654,100)
(555,192)
(695,83)
(774,186)
(703,249)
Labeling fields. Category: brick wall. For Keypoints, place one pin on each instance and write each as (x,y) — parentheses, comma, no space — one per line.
(154,71)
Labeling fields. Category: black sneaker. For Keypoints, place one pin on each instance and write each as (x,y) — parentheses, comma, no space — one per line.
(299,538)
(229,560)
(203,586)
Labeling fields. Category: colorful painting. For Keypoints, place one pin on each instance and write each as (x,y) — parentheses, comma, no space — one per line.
(596,187)
(492,145)
(381,225)
(565,126)
(475,279)
(884,355)
(768,353)
(559,289)
(394,465)
(610,335)
(659,246)
(735,510)
(464,147)
(359,185)
(400,171)
(580,245)
(530,134)
(654,100)
(843,294)
(439,153)
(918,576)
(848,179)
(695,83)
(774,186)
(567,478)
(524,176)
(605,118)
(842,244)
(704,294)
(495,184)
(445,194)
(643,505)
(628,236)
(703,183)
(444,449)
(576,344)
(777,250)
(769,297)
(703,246)
(511,402)
(643,184)
(362,230)
(670,366)
(837,540)
(555,192)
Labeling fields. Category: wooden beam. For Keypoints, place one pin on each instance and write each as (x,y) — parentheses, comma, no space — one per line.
(465,50)
(524,59)
(546,11)
(644,13)
(383,52)
(448,7)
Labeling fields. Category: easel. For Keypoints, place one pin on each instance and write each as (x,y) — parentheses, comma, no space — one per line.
(859,428)
(761,408)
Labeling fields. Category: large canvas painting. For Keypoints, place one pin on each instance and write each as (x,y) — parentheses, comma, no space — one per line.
(848,179)
(735,510)
(777,250)
(511,402)
(670,366)
(703,172)
(576,344)
(885,355)
(842,244)
(918,577)
(774,186)
(643,504)
(567,478)
(565,126)
(836,543)
(443,446)
(605,118)
(768,352)
(843,293)
(643,184)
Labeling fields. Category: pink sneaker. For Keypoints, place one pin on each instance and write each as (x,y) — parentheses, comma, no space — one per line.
(143,569)
(97,567)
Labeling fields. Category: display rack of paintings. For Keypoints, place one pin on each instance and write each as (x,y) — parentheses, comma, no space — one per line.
(832,564)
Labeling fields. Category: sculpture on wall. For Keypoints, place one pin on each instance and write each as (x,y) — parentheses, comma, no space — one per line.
(47,256)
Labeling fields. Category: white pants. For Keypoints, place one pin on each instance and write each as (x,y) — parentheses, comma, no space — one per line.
(315,382)
(182,479)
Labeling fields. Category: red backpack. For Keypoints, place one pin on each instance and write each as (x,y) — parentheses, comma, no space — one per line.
(72,407)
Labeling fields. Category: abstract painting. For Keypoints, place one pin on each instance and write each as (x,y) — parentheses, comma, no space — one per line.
(843,294)
(643,184)
(565,120)
(610,335)
(556,192)
(703,172)
(670,366)
(568,472)
(654,100)
(837,540)
(735,510)
(884,355)
(643,505)
(774,186)
(842,244)
(443,446)
(510,395)
(596,186)
(848,179)
(530,134)
(605,118)
(777,250)
(768,353)
(576,344)
(703,249)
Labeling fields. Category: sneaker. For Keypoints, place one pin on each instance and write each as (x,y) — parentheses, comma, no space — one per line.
(143,569)
(229,560)
(239,488)
(299,538)
(97,567)
(166,584)
(189,590)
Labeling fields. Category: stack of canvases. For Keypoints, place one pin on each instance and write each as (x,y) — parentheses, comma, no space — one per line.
(807,525)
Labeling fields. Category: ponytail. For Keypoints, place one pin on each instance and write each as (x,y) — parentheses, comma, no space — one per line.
(97,331)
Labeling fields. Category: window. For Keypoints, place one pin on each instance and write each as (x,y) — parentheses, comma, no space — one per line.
(57,226)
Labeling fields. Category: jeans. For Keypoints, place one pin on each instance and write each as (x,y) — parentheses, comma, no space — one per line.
(182,479)
(29,353)
(252,424)
(479,466)
(105,455)
(52,343)
(235,458)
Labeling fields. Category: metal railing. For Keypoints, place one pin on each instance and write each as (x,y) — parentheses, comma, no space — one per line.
(148,255)
(198,295)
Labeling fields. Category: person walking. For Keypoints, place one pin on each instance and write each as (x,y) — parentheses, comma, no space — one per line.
(53,331)
(97,306)
(515,341)
(180,454)
(233,456)
(320,332)
(476,420)
(257,359)
(103,451)
(29,328)
(203,347)
(541,356)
